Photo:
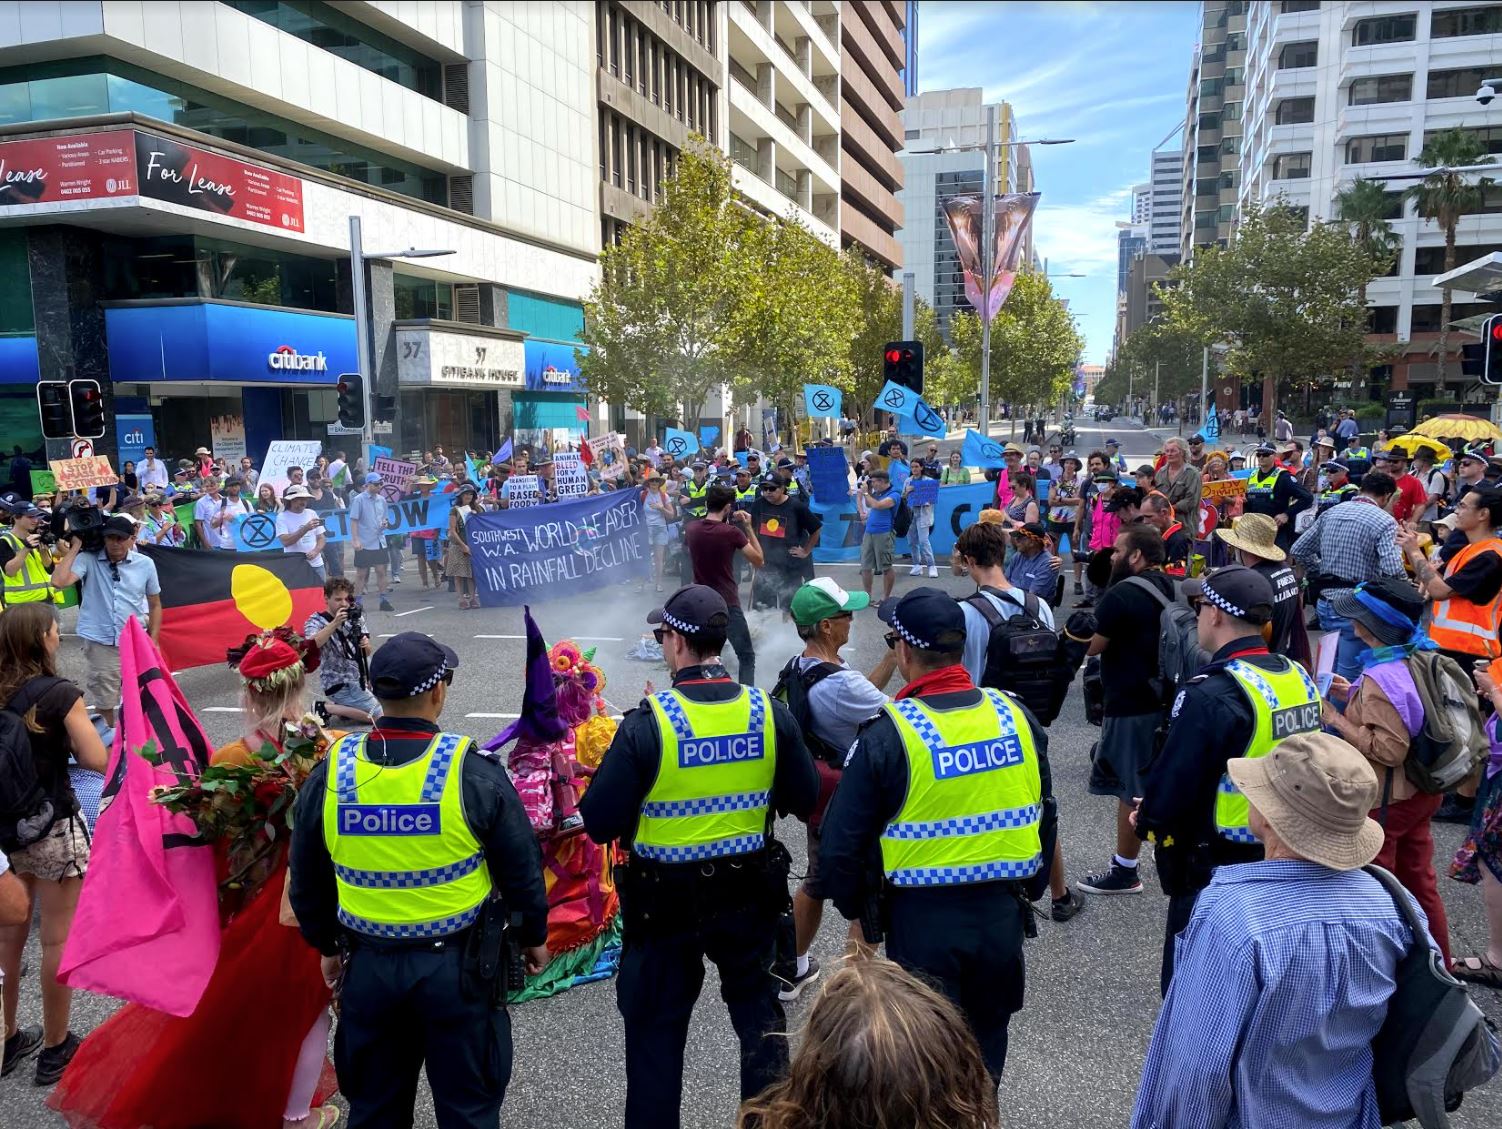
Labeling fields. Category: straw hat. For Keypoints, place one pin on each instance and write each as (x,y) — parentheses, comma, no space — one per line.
(1316,791)
(1255,533)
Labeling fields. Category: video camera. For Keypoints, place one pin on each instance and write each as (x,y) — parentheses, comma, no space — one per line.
(79,520)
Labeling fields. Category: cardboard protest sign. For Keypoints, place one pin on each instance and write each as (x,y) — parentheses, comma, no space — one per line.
(284,453)
(570,479)
(396,476)
(523,490)
(80,474)
(610,453)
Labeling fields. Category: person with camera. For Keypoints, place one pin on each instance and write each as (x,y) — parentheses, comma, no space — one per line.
(301,530)
(25,565)
(343,643)
(690,786)
(118,583)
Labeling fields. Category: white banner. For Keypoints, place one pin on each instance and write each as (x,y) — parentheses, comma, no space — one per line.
(284,453)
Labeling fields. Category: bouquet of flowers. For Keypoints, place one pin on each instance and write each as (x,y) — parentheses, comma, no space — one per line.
(246,809)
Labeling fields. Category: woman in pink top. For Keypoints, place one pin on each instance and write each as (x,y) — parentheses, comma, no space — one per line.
(1013,456)
(1103,526)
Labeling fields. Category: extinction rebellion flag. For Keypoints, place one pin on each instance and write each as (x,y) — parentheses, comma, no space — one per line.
(212,600)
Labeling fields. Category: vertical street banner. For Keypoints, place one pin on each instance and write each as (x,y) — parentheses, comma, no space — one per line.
(546,552)
(570,479)
(285,453)
(1013,213)
(227,438)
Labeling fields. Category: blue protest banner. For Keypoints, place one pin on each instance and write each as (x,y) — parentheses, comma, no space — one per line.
(923,421)
(979,451)
(544,553)
(925,492)
(707,436)
(504,453)
(829,473)
(680,444)
(743,457)
(1211,430)
(379,452)
(896,399)
(256,533)
(957,507)
(822,401)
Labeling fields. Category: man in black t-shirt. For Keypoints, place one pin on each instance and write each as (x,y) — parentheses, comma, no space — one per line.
(1126,638)
(1158,512)
(1254,538)
(788,531)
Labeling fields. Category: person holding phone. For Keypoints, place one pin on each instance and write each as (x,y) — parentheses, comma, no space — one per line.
(301,530)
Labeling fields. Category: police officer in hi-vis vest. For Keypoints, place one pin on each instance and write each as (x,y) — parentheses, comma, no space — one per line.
(690,786)
(1271,490)
(950,787)
(694,489)
(25,567)
(410,850)
(1241,704)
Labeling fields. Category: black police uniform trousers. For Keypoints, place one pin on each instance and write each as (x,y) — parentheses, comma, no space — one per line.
(966,941)
(659,981)
(405,1006)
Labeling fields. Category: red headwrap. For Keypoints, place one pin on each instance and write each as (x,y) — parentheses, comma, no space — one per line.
(267,658)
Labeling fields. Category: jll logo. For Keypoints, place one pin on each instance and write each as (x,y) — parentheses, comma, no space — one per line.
(288,359)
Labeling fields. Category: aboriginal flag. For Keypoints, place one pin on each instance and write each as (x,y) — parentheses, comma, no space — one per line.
(212,600)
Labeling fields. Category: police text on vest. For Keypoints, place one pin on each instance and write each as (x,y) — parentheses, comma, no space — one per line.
(389,819)
(978,756)
(700,752)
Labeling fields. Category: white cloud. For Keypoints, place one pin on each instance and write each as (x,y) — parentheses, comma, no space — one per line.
(1081,236)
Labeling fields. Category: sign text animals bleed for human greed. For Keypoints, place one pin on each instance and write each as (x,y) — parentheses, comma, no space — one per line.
(561,550)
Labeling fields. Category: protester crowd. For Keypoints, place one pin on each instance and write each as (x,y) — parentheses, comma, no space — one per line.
(1268,769)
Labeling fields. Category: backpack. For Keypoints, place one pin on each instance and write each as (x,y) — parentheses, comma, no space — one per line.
(27,812)
(1453,740)
(1180,655)
(792,690)
(1023,655)
(902,518)
(1435,1043)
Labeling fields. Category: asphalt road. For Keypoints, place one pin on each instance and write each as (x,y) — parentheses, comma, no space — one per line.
(1077,1047)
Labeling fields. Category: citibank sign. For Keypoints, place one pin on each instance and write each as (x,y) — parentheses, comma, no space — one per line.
(284,358)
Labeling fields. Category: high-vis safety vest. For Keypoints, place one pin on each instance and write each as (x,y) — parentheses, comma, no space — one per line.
(1283,703)
(1458,624)
(1351,453)
(714,785)
(1259,491)
(695,494)
(406,863)
(974,795)
(32,583)
(746,496)
(1334,495)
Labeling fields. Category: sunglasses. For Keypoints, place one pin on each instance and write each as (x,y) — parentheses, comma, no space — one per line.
(892,638)
(660,633)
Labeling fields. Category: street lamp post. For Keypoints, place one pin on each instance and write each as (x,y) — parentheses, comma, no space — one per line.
(364,358)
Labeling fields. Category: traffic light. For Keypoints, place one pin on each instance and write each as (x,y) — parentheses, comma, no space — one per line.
(57,413)
(1491,343)
(351,400)
(88,408)
(385,407)
(902,363)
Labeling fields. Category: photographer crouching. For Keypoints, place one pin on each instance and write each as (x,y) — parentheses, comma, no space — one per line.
(344,653)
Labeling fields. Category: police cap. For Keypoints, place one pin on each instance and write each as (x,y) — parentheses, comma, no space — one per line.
(410,664)
(692,609)
(928,619)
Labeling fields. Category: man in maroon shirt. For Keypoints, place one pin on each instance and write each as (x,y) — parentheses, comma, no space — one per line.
(713,541)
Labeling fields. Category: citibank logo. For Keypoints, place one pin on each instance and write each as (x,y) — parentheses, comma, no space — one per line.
(551,375)
(287,359)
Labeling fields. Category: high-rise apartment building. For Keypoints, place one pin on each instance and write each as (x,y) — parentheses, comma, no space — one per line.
(1212,126)
(1142,202)
(1337,91)
(873,57)
(1165,203)
(944,119)
(183,233)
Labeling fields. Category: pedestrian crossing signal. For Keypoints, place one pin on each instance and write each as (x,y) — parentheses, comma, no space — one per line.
(351,388)
(902,363)
(87,402)
(1491,344)
(56,411)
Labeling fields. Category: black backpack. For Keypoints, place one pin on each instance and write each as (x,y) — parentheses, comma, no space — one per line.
(1435,1043)
(1023,655)
(27,811)
(902,518)
(792,690)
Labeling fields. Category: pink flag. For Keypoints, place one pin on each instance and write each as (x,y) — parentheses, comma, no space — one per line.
(147,926)
(582,413)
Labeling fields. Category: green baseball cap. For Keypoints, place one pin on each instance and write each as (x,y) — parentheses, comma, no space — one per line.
(822,598)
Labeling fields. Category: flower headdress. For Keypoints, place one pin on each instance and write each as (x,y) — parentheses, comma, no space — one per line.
(271,660)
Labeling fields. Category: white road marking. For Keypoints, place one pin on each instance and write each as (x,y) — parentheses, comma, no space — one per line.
(220,709)
(599,638)
(414,611)
(511,716)
(500,636)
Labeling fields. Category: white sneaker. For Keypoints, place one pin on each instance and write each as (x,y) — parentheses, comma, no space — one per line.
(933,570)
(916,570)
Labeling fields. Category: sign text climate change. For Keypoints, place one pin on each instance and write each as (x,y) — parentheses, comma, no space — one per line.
(549,552)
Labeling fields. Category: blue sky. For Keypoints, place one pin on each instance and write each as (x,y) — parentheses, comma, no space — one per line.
(1113,76)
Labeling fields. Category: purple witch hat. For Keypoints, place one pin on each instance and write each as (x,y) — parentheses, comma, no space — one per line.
(539,721)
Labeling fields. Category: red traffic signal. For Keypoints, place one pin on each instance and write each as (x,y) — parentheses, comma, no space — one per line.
(903,364)
(351,389)
(87,402)
(1491,346)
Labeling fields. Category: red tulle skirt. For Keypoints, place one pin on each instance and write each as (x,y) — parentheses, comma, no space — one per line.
(228,1065)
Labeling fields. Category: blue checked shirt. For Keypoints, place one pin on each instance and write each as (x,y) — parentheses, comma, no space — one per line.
(1356,540)
(1281,981)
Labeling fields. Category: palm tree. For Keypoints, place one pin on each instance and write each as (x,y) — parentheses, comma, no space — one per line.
(1365,208)
(1444,196)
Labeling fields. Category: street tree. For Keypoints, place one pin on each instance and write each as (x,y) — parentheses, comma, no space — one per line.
(1162,354)
(1284,299)
(1444,196)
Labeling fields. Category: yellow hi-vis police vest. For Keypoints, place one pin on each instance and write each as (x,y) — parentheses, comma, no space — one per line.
(32,583)
(406,863)
(1283,703)
(714,785)
(974,795)
(746,495)
(696,503)
(1260,490)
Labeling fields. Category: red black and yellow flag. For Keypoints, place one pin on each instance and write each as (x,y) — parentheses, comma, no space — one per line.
(212,600)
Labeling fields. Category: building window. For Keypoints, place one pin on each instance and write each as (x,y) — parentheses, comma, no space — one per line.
(1295,111)
(1382,319)
(615,43)
(1288,7)
(1377,147)
(1381,88)
(615,150)
(1385,29)
(1466,21)
(1460,83)
(1297,55)
(1489,136)
(1292,166)
(1231,112)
